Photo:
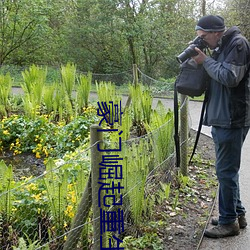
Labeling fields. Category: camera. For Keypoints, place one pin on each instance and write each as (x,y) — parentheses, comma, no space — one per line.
(190,51)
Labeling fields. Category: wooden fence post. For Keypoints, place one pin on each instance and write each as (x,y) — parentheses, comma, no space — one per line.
(184,135)
(135,74)
(135,82)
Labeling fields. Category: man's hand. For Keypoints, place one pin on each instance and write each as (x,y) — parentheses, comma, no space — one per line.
(200,58)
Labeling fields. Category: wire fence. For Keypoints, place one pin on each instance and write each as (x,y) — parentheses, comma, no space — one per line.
(93,202)
(158,87)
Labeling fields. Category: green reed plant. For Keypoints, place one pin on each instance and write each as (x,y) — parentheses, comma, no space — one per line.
(33,85)
(106,92)
(6,184)
(161,129)
(56,184)
(83,90)
(141,105)
(137,174)
(135,93)
(5,90)
(62,106)
(68,74)
(136,159)
(146,101)
(48,98)
(125,127)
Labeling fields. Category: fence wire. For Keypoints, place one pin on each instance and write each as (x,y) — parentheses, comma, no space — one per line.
(56,207)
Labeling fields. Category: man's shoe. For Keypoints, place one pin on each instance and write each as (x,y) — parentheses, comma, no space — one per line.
(221,231)
(241,219)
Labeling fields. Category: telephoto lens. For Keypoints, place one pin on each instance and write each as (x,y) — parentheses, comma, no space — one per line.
(190,50)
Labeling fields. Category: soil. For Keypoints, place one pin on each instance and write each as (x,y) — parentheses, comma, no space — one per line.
(24,164)
(188,221)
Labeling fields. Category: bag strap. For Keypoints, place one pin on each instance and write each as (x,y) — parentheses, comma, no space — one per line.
(199,127)
(176,126)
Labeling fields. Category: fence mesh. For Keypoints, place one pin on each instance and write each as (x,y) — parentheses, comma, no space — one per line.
(56,207)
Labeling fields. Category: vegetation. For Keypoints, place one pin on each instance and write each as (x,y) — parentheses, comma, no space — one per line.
(107,36)
(56,129)
(52,119)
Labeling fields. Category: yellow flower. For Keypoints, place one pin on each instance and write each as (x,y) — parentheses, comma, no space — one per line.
(6,132)
(69,211)
(38,155)
(31,187)
(14,209)
(73,199)
(37,196)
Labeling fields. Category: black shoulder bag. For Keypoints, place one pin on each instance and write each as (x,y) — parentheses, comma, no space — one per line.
(191,81)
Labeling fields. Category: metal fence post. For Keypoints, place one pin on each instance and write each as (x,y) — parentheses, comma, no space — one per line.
(184,135)
(96,158)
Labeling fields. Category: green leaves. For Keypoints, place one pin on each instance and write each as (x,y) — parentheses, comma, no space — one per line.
(6,184)
(5,90)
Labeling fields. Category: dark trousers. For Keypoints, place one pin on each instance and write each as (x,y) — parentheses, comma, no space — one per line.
(228,145)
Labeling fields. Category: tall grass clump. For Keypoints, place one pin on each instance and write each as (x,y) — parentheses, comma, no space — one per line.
(141,106)
(34,80)
(161,129)
(83,91)
(68,74)
(5,90)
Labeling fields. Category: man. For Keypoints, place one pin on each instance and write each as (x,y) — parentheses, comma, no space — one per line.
(228,112)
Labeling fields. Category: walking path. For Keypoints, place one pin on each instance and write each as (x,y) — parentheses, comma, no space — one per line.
(241,242)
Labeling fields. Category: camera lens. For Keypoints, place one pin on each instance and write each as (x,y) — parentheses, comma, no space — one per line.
(187,53)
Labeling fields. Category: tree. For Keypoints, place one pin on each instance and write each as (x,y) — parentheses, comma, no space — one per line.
(20,22)
(237,13)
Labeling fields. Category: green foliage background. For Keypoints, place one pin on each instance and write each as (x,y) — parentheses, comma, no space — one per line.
(107,36)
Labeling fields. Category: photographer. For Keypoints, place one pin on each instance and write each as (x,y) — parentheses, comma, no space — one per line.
(228,112)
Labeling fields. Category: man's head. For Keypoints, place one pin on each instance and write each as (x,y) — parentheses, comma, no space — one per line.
(211,28)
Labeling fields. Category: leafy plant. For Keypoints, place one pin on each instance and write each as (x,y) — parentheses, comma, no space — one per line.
(5,90)
(83,91)
(34,81)
(165,190)
(135,170)
(141,106)
(22,245)
(6,184)
(161,127)
(48,98)
(68,74)
(147,241)
(30,208)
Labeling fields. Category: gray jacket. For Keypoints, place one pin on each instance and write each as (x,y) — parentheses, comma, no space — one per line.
(228,103)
